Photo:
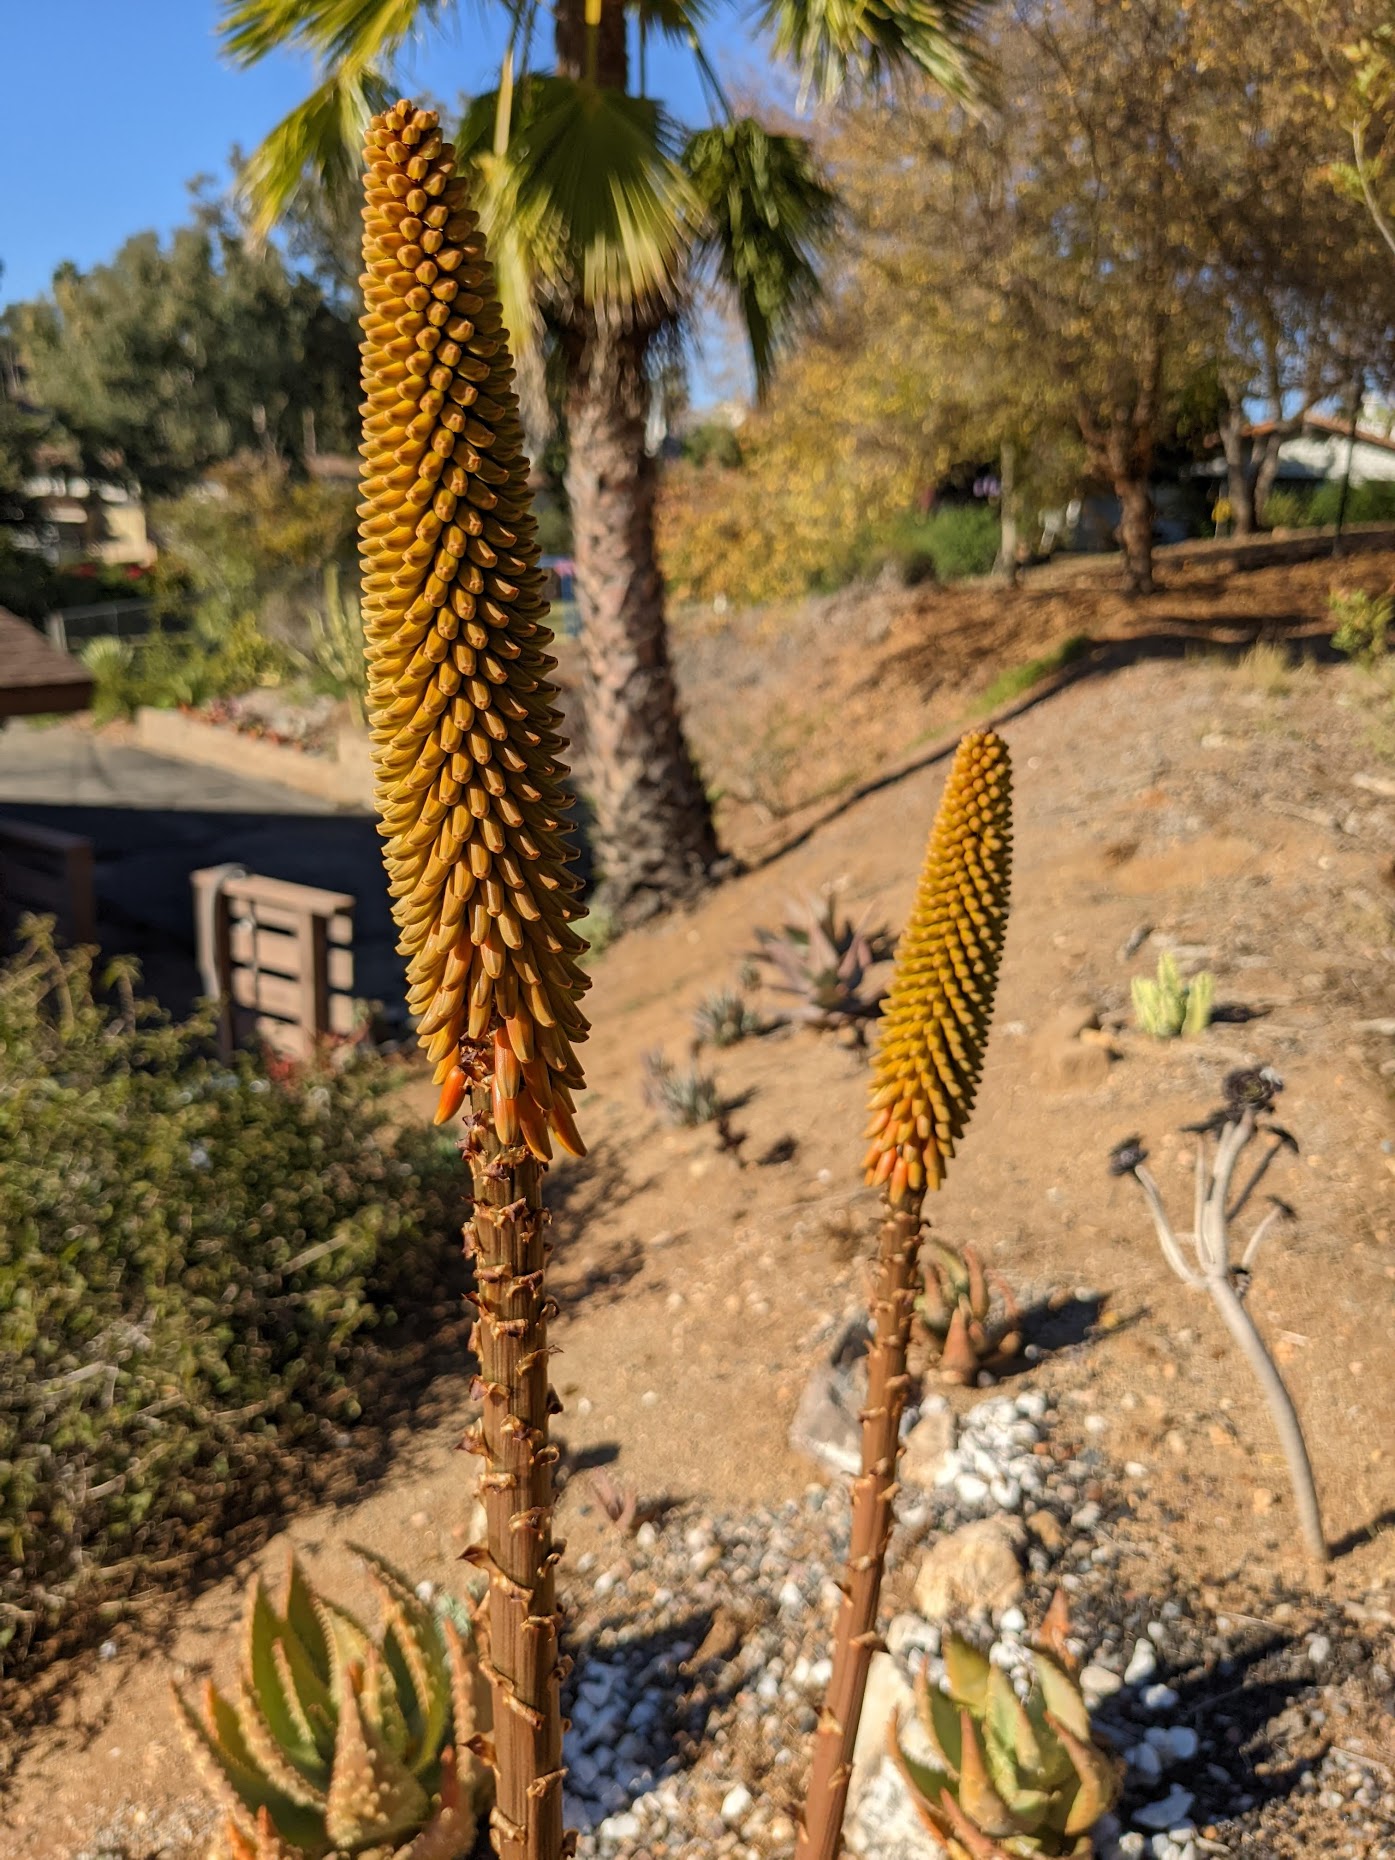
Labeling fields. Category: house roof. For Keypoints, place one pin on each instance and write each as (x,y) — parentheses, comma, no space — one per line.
(35,677)
(1325,424)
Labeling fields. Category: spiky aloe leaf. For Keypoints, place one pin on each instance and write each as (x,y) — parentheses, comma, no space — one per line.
(274,1706)
(297,1779)
(978,1797)
(939,1717)
(466,748)
(307,1697)
(300,1616)
(230,1771)
(935,1023)
(1099,1779)
(450,1831)
(927,1786)
(1064,1701)
(416,1652)
(373,1797)
(967,1671)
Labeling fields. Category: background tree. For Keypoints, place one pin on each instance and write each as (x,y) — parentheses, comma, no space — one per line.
(605,215)
(176,356)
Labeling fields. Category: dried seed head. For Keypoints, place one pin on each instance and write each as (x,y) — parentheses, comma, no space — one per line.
(465,741)
(935,1023)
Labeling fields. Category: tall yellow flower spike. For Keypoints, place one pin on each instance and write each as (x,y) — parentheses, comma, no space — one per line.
(465,743)
(935,1024)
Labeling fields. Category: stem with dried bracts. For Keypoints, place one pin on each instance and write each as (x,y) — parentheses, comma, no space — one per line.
(873,1497)
(925,1076)
(470,788)
(507,1238)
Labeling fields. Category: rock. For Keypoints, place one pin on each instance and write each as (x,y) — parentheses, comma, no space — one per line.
(976,1567)
(1174,1743)
(1319,1649)
(738,1802)
(1142,1664)
(885,1824)
(970,1489)
(927,1443)
(1167,1813)
(887,1696)
(1062,1059)
(1048,1530)
(825,1425)
(1158,1698)
(1146,1762)
(1097,1684)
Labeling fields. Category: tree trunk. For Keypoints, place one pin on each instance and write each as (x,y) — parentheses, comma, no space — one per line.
(1136,533)
(1005,567)
(652,827)
(1239,483)
(1267,472)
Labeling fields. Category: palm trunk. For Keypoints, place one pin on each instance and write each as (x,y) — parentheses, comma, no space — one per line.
(652,827)
(821,1831)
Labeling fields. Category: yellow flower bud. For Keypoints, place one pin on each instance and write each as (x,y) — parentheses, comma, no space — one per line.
(466,747)
(935,1022)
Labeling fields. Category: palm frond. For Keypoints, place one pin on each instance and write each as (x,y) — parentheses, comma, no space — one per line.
(835,44)
(679,20)
(338,32)
(596,174)
(766,212)
(319,143)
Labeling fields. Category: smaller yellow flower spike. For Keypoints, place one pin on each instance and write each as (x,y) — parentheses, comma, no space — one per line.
(935,1023)
(465,742)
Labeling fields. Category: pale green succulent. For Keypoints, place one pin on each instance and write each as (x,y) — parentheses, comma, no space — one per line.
(1009,1779)
(1169,1006)
(336,1744)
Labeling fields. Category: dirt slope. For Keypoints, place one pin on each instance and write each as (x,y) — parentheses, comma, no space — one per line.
(1248,817)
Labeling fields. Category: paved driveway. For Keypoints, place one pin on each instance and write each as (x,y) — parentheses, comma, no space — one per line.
(153,821)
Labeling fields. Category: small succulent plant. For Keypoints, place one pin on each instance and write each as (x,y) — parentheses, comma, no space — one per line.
(685,1097)
(335,1743)
(958,1308)
(1169,1007)
(1009,1777)
(822,959)
(724,1019)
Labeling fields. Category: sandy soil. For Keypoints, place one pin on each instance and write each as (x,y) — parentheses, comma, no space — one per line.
(1242,814)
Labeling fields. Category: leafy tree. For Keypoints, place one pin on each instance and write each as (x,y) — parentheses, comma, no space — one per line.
(605,216)
(176,356)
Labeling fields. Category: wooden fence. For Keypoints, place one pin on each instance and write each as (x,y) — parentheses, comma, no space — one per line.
(277,956)
(49,873)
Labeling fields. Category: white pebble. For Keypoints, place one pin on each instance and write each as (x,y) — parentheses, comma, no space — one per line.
(1096,1424)
(1143,1663)
(1158,1698)
(1135,1469)
(791,1598)
(971,1489)
(820,1672)
(620,1828)
(738,1802)
(1146,1762)
(1319,1649)
(1012,1621)
(1174,1743)
(1032,1404)
(1166,1813)
(1005,1493)
(646,1536)
(1097,1683)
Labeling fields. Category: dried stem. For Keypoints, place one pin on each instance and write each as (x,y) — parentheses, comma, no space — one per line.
(507,1238)
(873,1494)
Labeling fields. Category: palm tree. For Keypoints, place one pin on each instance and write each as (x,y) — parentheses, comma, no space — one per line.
(605,218)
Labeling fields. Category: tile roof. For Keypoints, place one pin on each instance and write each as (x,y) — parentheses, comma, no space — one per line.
(36,677)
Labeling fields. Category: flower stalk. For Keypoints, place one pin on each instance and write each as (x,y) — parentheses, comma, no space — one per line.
(925,1076)
(470,788)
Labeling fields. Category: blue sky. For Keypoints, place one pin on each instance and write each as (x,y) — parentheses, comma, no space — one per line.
(111,108)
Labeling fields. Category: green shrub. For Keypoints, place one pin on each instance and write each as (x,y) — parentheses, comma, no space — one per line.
(1287,509)
(201,1270)
(167,670)
(956,541)
(1019,678)
(1366,503)
(1361,624)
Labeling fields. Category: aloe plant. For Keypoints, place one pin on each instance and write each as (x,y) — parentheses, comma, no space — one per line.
(821,959)
(1010,1778)
(925,1076)
(468,762)
(1169,1007)
(335,1743)
(957,1308)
